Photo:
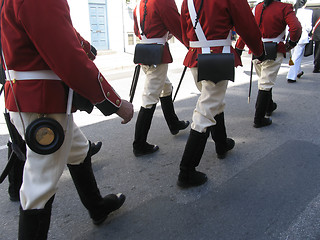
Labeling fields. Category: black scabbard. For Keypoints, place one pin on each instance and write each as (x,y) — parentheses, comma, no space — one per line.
(182,75)
(134,82)
(8,167)
(16,142)
(250,84)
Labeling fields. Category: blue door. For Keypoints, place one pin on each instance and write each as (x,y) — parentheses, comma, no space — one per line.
(99,29)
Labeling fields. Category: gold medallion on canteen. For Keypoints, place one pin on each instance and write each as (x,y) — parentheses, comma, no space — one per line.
(45,136)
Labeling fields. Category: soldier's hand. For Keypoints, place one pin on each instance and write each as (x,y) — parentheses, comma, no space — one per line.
(289,45)
(125,111)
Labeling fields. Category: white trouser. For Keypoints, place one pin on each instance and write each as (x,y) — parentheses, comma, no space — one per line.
(42,172)
(157,84)
(267,72)
(296,58)
(209,104)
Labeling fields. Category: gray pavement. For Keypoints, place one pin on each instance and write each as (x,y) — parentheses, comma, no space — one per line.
(267,188)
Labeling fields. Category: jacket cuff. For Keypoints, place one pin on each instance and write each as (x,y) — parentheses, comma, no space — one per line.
(107,108)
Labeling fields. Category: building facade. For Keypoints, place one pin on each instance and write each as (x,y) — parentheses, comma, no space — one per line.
(108,24)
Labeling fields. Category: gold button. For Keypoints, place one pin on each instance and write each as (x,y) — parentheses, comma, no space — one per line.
(101,79)
(211,50)
(108,94)
(14,80)
(118,102)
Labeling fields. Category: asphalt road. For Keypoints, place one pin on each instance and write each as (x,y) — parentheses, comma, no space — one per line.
(267,188)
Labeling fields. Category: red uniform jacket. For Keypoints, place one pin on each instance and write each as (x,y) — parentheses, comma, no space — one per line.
(162,16)
(38,35)
(275,18)
(217,18)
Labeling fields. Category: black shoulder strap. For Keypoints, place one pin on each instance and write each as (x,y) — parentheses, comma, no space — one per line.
(198,15)
(144,17)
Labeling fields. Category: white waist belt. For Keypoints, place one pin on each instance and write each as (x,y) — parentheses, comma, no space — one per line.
(154,40)
(32,75)
(161,40)
(277,39)
(210,43)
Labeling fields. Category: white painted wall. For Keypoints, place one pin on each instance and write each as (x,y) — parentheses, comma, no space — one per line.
(116,24)
(119,20)
(80,17)
(79,10)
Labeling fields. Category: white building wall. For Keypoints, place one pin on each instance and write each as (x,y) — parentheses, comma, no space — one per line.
(80,17)
(119,21)
(79,10)
(116,24)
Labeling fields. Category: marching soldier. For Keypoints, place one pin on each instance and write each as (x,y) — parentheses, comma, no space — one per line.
(158,20)
(206,28)
(44,61)
(305,18)
(272,17)
(16,171)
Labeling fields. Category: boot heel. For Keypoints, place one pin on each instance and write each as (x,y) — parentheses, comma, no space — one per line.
(262,122)
(188,179)
(110,203)
(230,143)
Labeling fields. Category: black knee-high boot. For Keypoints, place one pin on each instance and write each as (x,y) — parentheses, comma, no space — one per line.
(262,102)
(99,207)
(219,136)
(188,176)
(140,145)
(171,118)
(34,224)
(271,105)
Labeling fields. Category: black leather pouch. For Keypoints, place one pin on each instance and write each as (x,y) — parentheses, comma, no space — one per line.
(216,67)
(308,49)
(270,49)
(148,54)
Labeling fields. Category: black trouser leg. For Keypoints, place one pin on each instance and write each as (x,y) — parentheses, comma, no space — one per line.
(262,102)
(86,185)
(171,118)
(140,145)
(219,136)
(316,62)
(192,154)
(34,224)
